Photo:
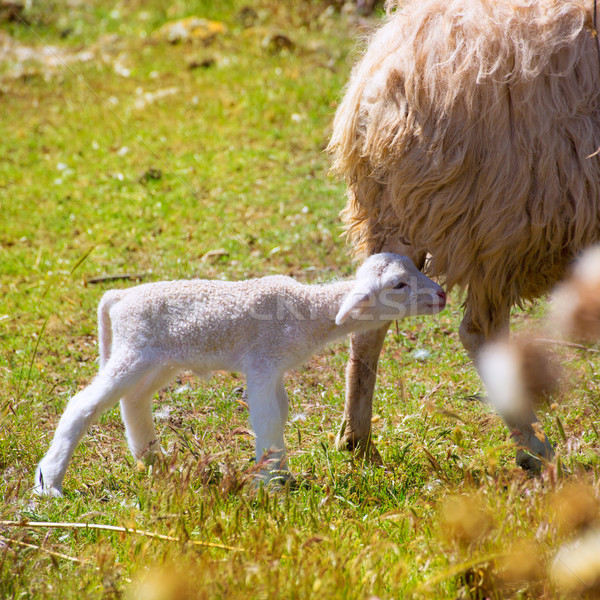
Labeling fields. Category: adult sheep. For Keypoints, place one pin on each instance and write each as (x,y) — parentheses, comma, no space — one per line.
(465,133)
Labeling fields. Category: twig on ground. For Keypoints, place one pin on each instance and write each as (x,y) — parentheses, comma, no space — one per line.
(114,277)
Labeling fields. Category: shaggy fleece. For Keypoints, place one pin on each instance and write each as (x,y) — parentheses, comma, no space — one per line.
(466,130)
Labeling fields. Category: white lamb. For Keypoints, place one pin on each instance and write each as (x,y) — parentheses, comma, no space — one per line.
(261,327)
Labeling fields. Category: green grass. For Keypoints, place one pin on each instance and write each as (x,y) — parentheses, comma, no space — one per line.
(240,189)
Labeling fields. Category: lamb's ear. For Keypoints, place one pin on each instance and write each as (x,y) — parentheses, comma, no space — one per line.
(356,301)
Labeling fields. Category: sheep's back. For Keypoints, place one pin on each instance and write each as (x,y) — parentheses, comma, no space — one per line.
(466,129)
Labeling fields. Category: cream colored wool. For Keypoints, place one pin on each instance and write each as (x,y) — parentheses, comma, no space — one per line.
(466,131)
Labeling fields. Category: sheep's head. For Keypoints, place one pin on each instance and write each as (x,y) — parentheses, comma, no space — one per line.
(389,287)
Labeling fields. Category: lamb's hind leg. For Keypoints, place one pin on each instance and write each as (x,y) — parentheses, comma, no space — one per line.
(136,411)
(81,412)
(527,433)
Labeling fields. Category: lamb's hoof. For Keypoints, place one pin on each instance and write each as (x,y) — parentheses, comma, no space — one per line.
(281,479)
(41,487)
(153,453)
(49,492)
(150,461)
(273,480)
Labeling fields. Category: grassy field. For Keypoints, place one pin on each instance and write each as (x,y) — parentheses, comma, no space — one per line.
(125,157)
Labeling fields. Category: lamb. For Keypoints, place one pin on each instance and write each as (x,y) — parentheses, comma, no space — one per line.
(261,327)
(468,132)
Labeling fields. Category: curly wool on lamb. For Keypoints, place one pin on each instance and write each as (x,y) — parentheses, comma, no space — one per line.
(261,327)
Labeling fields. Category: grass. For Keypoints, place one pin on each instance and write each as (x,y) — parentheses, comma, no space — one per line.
(141,161)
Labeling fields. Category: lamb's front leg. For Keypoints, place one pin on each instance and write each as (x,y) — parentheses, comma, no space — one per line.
(268,405)
(361,373)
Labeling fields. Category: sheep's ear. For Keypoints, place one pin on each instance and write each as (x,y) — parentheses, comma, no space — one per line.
(356,301)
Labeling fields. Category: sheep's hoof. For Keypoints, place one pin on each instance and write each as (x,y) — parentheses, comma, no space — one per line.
(528,462)
(534,449)
(368,451)
(363,449)
(343,440)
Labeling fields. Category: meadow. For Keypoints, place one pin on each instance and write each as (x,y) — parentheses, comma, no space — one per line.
(128,156)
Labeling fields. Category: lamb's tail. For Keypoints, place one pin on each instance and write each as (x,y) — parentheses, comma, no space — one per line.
(105,325)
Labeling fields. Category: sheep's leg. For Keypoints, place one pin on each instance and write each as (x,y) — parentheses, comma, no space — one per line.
(472,336)
(361,373)
(268,404)
(136,411)
(81,412)
(527,431)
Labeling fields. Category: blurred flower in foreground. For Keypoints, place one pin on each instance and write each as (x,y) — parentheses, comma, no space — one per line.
(521,564)
(161,583)
(574,508)
(575,307)
(518,375)
(576,568)
(464,520)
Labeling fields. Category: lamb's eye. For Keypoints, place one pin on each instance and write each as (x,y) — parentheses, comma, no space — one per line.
(400,285)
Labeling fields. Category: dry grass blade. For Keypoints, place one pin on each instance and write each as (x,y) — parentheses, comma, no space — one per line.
(45,550)
(54,554)
(457,570)
(567,344)
(120,529)
(435,464)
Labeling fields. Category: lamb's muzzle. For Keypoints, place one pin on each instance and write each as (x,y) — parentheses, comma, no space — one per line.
(261,327)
